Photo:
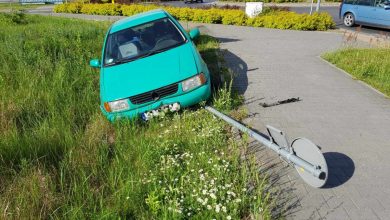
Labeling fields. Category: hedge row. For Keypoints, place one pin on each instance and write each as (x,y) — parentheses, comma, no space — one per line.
(276,19)
(265,1)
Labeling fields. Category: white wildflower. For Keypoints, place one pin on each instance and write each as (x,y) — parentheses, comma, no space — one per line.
(205,201)
(228,217)
(212,195)
(209,207)
(217,208)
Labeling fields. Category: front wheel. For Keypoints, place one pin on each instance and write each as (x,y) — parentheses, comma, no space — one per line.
(349,20)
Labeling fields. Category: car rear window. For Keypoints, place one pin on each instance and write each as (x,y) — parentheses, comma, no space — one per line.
(141,41)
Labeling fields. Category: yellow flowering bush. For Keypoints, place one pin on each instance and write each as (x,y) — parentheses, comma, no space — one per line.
(275,19)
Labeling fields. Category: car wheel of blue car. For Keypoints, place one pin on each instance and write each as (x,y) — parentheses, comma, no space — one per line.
(349,20)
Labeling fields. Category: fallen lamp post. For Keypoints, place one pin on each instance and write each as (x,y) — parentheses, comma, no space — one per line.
(303,154)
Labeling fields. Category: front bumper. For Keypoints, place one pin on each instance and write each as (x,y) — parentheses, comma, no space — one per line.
(187,99)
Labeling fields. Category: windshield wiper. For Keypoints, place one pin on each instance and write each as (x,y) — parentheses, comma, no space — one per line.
(121,61)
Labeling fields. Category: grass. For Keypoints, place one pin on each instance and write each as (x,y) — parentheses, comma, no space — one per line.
(369,65)
(17,6)
(61,159)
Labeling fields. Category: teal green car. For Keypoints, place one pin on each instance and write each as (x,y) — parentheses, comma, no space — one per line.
(150,63)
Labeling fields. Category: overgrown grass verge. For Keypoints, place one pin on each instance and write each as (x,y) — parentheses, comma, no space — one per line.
(18,6)
(272,19)
(60,158)
(369,65)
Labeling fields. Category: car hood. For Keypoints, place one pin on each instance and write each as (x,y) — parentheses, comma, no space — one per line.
(149,73)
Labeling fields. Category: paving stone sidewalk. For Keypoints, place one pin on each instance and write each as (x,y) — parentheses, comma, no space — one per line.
(349,120)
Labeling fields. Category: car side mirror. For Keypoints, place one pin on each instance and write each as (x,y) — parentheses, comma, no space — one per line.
(95,63)
(194,33)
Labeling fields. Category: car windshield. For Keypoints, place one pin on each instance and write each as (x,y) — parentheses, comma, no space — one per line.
(142,41)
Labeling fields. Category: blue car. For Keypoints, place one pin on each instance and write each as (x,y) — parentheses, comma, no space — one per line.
(366,12)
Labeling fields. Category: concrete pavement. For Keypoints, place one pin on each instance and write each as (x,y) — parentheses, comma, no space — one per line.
(350,121)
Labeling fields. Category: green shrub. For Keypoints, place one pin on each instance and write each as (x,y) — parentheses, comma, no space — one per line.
(74,8)
(129,10)
(293,21)
(16,17)
(234,17)
(265,1)
(279,18)
(101,9)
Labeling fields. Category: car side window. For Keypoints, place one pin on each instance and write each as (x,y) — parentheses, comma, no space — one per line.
(381,3)
(351,2)
(365,2)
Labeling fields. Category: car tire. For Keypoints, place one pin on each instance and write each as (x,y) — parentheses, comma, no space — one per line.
(349,20)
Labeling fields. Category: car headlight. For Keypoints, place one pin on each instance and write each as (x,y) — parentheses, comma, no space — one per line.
(117,106)
(193,82)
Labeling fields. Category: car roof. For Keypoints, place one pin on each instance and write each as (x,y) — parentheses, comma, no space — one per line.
(138,19)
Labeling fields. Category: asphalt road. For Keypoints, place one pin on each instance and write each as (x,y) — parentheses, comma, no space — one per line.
(332,10)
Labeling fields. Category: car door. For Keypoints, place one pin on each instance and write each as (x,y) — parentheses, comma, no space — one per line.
(364,11)
(381,15)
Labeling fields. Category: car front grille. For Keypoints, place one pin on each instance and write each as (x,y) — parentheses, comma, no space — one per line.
(154,95)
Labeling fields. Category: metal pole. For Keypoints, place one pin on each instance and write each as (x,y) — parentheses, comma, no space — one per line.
(308,167)
(318,5)
(311,7)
